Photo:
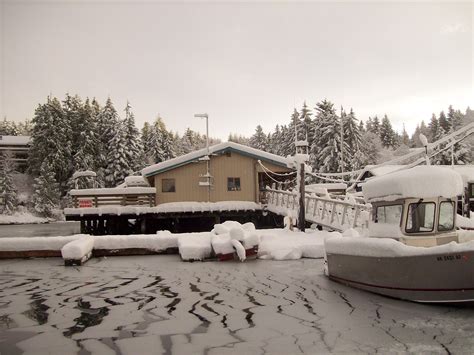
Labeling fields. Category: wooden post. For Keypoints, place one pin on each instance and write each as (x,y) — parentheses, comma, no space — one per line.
(302,214)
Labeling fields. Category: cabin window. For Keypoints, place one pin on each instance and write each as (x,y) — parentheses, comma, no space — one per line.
(233,184)
(168,185)
(421,217)
(471,190)
(389,214)
(446,216)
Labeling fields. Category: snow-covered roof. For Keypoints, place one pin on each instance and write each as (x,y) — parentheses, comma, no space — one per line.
(113,191)
(85,173)
(417,182)
(466,172)
(14,140)
(135,181)
(215,149)
(379,170)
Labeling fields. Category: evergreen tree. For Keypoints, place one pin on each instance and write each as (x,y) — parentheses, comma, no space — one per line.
(306,124)
(259,139)
(8,190)
(289,138)
(353,138)
(107,123)
(275,141)
(433,126)
(51,140)
(85,140)
(326,149)
(117,168)
(46,191)
(405,139)
(371,148)
(387,134)
(8,128)
(443,122)
(376,126)
(132,143)
(361,127)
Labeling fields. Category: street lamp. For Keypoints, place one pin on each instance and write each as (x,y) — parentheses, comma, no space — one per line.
(208,173)
(205,115)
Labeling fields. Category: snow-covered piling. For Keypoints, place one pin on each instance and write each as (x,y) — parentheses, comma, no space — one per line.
(78,251)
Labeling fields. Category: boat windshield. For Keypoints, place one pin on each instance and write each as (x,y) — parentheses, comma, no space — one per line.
(390,214)
(421,217)
(446,216)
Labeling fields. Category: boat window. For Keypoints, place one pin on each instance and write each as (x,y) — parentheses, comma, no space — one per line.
(446,216)
(389,214)
(471,190)
(420,217)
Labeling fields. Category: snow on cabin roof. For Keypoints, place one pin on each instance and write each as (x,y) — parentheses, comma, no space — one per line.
(14,140)
(417,182)
(215,149)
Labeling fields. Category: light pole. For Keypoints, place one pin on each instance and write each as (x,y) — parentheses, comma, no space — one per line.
(208,173)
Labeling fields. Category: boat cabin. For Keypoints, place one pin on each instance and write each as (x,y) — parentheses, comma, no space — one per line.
(416,206)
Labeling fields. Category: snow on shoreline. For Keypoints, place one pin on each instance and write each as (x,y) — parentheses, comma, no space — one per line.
(22,218)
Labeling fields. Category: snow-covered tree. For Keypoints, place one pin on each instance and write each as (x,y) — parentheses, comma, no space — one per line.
(259,139)
(46,191)
(51,139)
(8,190)
(387,134)
(237,138)
(288,143)
(161,145)
(326,149)
(8,128)
(443,122)
(107,122)
(133,144)
(371,148)
(354,158)
(306,123)
(117,167)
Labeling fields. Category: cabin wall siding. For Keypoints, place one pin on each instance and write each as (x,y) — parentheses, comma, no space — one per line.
(187,179)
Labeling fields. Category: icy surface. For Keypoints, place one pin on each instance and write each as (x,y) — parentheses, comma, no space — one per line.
(78,249)
(417,182)
(158,304)
(386,247)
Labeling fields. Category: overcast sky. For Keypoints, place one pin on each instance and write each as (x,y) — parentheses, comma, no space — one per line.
(243,63)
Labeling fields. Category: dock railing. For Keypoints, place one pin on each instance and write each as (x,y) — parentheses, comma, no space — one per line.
(131,196)
(333,213)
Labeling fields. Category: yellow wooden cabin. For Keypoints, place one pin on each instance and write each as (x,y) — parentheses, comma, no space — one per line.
(236,173)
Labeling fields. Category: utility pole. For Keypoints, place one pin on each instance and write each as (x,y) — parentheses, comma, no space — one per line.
(302,212)
(342,141)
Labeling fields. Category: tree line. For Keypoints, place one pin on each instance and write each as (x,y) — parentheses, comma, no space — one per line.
(74,134)
(333,133)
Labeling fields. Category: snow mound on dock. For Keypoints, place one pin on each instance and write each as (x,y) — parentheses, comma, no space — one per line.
(161,241)
(417,182)
(78,249)
(195,246)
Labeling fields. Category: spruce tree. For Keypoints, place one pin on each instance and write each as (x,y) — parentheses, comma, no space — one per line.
(117,168)
(306,123)
(433,127)
(353,138)
(8,190)
(132,143)
(443,122)
(387,134)
(259,139)
(107,122)
(46,191)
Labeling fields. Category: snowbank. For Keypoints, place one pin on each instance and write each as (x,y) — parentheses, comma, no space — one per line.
(282,244)
(385,247)
(79,249)
(21,218)
(464,222)
(417,182)
(195,246)
(221,244)
(36,243)
(161,241)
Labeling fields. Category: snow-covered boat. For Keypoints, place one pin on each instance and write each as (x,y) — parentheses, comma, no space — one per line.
(413,250)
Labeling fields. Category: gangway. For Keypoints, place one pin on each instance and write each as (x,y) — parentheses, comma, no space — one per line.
(332,213)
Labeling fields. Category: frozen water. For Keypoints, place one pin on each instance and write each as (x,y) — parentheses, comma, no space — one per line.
(158,304)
